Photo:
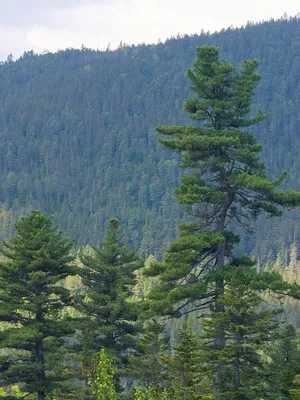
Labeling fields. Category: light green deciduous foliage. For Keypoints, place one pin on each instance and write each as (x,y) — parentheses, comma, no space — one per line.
(153,394)
(102,379)
(13,393)
(295,391)
(35,262)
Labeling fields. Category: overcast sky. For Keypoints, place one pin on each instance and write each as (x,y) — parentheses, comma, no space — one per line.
(56,24)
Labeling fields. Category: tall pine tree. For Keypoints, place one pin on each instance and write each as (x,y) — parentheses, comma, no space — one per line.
(225,186)
(33,265)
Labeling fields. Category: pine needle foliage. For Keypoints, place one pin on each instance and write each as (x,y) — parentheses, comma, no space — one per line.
(148,366)
(35,262)
(108,276)
(185,365)
(247,330)
(225,184)
(285,362)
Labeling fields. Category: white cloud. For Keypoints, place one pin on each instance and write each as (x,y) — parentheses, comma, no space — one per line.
(15,42)
(54,24)
(25,12)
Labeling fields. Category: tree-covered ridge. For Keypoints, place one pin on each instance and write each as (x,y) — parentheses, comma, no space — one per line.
(101,334)
(77,132)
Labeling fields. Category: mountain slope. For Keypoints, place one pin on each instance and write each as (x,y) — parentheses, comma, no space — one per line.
(77,132)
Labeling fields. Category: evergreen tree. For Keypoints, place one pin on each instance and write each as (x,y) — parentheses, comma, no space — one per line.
(108,279)
(35,262)
(148,366)
(285,364)
(247,329)
(160,374)
(61,155)
(185,365)
(225,185)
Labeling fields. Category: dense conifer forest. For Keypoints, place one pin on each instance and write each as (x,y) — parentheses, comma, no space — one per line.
(173,172)
(78,134)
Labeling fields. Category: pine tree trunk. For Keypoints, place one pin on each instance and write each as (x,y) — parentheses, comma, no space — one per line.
(219,341)
(237,372)
(237,365)
(40,359)
(41,395)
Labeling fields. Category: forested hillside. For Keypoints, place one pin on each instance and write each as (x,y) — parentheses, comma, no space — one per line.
(78,133)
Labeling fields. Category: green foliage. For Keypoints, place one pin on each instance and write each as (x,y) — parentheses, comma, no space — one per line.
(14,392)
(148,365)
(175,376)
(182,263)
(247,330)
(79,147)
(85,152)
(224,188)
(36,261)
(295,392)
(152,394)
(101,381)
(185,365)
(285,362)
(226,184)
(108,276)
